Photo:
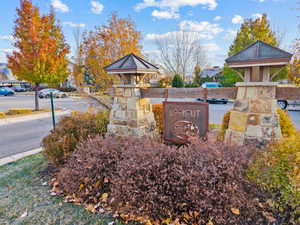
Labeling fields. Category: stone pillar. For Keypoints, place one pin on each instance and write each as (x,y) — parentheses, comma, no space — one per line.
(131,115)
(254,118)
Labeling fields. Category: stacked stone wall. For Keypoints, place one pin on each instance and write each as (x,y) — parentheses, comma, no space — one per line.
(254,118)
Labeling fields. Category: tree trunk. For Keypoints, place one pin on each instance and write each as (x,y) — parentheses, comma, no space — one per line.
(36,97)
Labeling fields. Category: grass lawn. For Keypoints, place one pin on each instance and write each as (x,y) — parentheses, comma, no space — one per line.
(25,200)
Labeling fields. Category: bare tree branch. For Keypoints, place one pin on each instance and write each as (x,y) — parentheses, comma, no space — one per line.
(180,52)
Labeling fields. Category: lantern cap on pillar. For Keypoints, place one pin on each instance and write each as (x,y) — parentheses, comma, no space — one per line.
(131,64)
(259,54)
(256,61)
(132,70)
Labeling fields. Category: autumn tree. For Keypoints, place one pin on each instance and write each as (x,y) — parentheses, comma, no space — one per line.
(294,69)
(252,30)
(108,43)
(78,67)
(40,55)
(197,75)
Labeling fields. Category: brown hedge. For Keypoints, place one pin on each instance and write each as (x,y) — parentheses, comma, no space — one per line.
(70,131)
(199,184)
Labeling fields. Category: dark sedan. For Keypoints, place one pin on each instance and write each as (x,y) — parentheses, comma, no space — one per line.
(213,100)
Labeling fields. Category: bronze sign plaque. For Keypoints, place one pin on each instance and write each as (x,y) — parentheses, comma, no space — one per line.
(185,119)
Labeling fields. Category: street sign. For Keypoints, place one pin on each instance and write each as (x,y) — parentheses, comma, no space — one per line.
(183,120)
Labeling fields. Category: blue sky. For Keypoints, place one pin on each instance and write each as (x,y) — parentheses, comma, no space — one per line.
(216,21)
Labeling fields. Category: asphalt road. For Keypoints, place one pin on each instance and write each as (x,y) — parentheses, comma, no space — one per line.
(23,136)
(23,101)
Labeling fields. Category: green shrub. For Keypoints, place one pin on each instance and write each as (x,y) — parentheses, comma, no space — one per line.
(177,81)
(277,170)
(70,131)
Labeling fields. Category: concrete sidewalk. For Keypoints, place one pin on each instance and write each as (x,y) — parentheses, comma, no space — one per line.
(16,157)
(6,121)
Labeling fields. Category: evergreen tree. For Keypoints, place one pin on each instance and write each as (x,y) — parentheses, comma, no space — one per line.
(252,30)
(230,77)
(177,81)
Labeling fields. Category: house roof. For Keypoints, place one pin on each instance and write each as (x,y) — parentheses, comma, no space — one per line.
(131,64)
(211,72)
(260,52)
(5,72)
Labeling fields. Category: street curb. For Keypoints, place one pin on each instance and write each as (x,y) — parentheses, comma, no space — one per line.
(16,157)
(6,121)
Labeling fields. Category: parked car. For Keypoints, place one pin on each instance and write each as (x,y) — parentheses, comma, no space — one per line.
(45,93)
(283,103)
(6,91)
(18,89)
(213,100)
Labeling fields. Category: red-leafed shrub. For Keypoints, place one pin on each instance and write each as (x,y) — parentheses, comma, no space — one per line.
(88,171)
(148,181)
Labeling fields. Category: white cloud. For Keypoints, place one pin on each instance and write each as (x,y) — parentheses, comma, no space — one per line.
(211,47)
(257,16)
(153,37)
(217,18)
(59,6)
(6,50)
(175,4)
(7,37)
(237,19)
(71,24)
(230,34)
(205,29)
(170,8)
(97,7)
(165,14)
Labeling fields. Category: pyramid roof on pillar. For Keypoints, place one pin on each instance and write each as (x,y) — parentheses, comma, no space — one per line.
(259,54)
(132,64)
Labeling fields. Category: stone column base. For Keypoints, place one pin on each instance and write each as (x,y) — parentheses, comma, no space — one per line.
(254,118)
(131,115)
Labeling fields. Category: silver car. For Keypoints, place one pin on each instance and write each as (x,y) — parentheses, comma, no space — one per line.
(45,93)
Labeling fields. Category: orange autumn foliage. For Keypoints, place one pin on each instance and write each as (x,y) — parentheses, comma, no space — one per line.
(108,43)
(40,55)
(158,112)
